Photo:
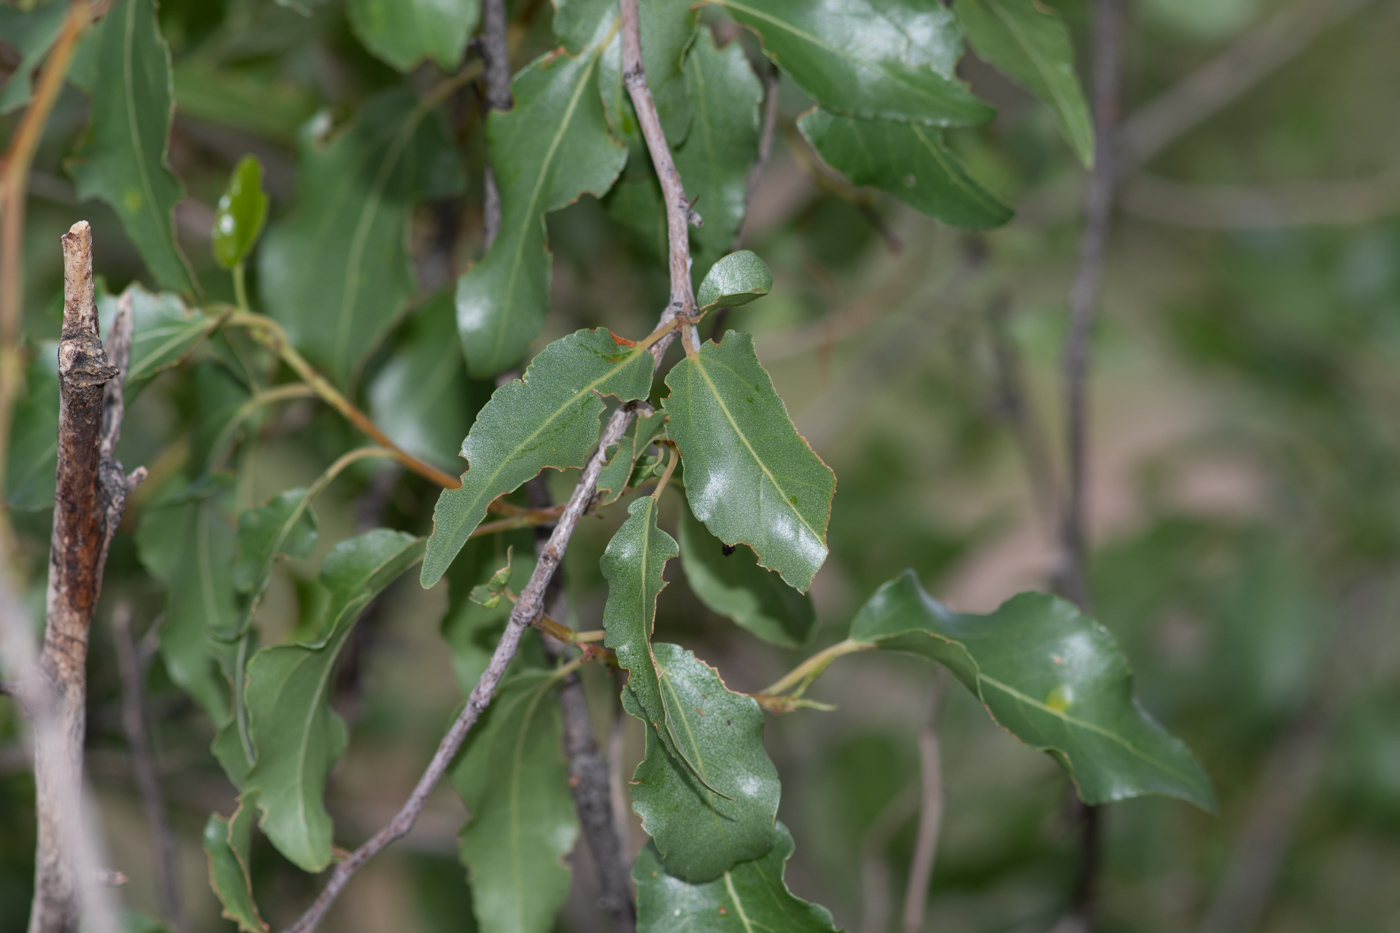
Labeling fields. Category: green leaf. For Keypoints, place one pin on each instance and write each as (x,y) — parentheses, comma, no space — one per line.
(422,397)
(163,332)
(751,896)
(616,474)
(547,151)
(722,144)
(241,213)
(31,33)
(1052,677)
(296,736)
(32,460)
(404,32)
(749,476)
(730,582)
(908,161)
(229,751)
(208,88)
(667,27)
(123,161)
(282,527)
(228,844)
(337,273)
(547,418)
(1027,41)
(470,630)
(735,280)
(864,59)
(716,807)
(513,778)
(189,547)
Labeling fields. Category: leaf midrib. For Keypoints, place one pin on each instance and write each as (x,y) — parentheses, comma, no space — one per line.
(1062,104)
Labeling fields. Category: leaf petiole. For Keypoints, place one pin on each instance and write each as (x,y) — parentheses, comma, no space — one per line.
(802,676)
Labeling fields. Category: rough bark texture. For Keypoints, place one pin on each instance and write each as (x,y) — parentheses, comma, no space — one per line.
(86,512)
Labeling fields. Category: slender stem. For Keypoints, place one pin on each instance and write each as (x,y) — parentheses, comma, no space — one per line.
(240,287)
(930,813)
(670,467)
(269,333)
(272,396)
(495,53)
(771,81)
(808,671)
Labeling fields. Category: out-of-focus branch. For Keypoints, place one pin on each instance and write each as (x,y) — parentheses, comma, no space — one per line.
(143,766)
(771,79)
(1224,78)
(930,812)
(495,53)
(877,904)
(1338,202)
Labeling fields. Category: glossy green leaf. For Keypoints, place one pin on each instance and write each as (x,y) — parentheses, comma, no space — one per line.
(228,844)
(32,460)
(405,32)
(422,397)
(735,280)
(228,749)
(337,273)
(907,160)
(749,476)
(241,213)
(547,418)
(296,736)
(512,776)
(1027,41)
(31,33)
(667,27)
(547,151)
(867,59)
(1052,677)
(616,474)
(282,527)
(123,160)
(717,806)
(722,143)
(190,547)
(748,898)
(730,582)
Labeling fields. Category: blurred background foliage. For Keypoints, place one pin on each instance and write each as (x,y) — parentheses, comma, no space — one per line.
(1244,487)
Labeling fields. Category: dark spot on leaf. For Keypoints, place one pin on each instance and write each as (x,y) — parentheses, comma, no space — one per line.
(793,500)
(729,549)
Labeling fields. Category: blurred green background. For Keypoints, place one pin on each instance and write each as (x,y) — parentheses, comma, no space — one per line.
(1244,485)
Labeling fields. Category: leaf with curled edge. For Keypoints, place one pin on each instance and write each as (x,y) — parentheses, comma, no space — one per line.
(1027,41)
(123,160)
(749,476)
(550,417)
(336,273)
(512,776)
(908,161)
(867,58)
(296,736)
(549,149)
(735,280)
(750,896)
(1052,677)
(228,845)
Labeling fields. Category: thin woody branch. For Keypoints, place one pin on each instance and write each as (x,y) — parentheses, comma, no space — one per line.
(529,605)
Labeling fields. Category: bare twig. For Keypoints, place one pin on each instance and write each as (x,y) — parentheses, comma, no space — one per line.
(930,813)
(1188,102)
(768,73)
(495,53)
(876,903)
(143,767)
(1262,207)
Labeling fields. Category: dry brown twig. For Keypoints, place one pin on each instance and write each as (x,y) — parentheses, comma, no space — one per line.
(529,605)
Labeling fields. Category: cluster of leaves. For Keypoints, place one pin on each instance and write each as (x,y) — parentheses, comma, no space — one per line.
(334,277)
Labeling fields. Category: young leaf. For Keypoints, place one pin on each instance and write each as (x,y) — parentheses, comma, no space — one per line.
(296,736)
(31,33)
(547,418)
(471,630)
(721,146)
(907,160)
(1027,41)
(422,397)
(337,273)
(404,32)
(616,474)
(241,213)
(513,778)
(735,280)
(1050,676)
(282,527)
(751,896)
(32,460)
(190,547)
(749,476)
(731,583)
(867,59)
(123,162)
(227,843)
(546,152)
(716,807)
